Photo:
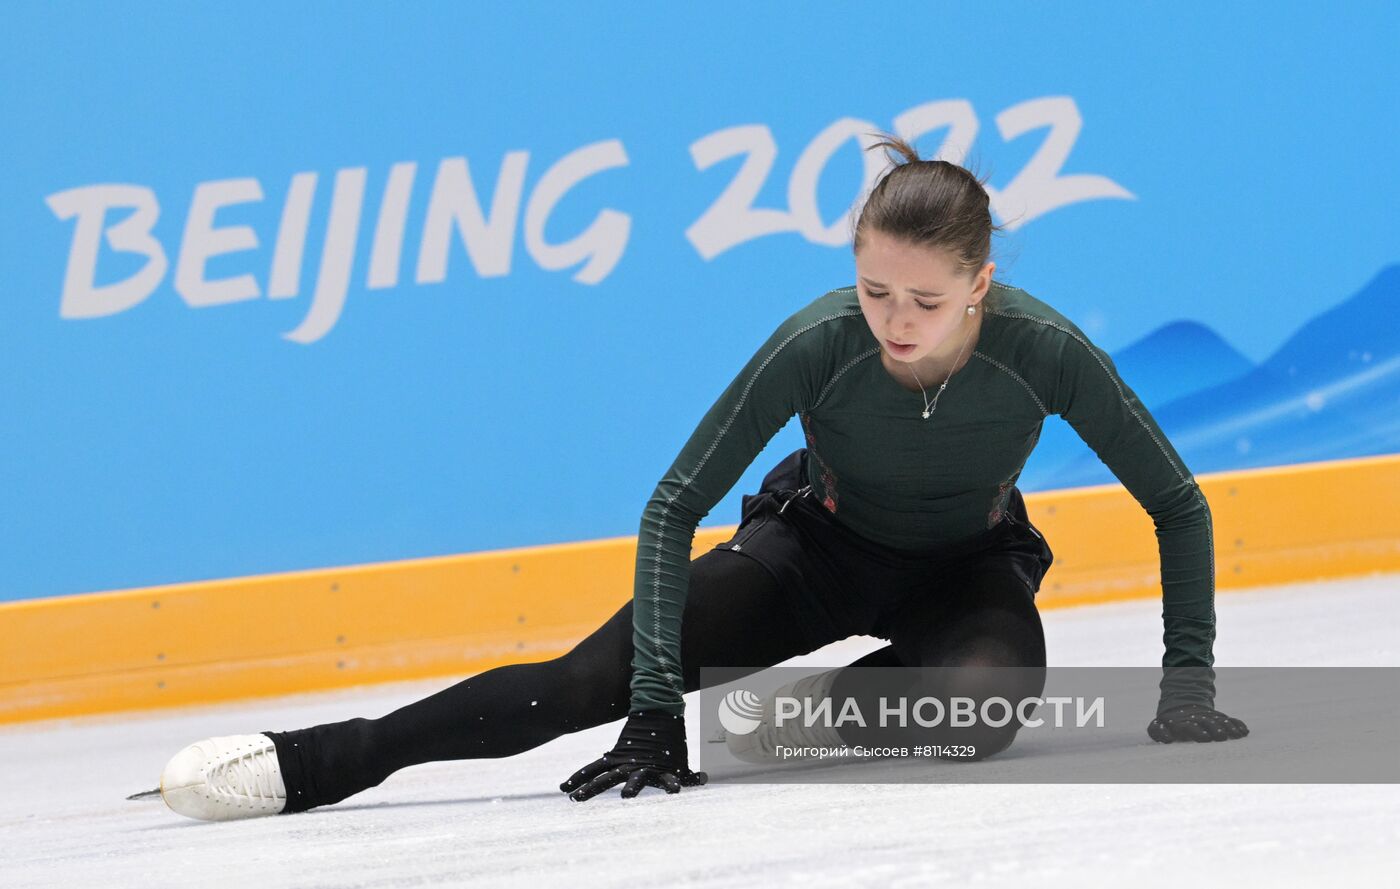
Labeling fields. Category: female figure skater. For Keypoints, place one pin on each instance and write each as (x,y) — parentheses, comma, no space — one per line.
(921,390)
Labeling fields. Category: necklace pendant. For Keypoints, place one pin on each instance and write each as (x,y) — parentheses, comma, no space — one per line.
(925,415)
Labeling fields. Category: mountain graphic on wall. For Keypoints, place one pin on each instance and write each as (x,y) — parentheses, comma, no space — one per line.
(1154,368)
(1331,391)
(1178,359)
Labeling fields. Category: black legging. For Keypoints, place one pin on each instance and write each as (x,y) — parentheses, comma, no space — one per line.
(735,616)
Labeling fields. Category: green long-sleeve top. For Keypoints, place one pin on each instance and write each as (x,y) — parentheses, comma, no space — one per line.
(893,477)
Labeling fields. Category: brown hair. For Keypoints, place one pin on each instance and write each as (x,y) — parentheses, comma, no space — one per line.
(931,203)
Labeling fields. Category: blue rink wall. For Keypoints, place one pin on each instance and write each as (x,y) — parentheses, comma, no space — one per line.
(293,287)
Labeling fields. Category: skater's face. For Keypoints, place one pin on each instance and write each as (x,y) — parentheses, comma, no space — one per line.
(913,295)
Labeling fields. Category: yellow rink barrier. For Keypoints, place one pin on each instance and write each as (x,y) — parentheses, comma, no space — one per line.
(266,635)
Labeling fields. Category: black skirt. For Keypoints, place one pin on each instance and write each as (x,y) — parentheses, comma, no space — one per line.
(842,584)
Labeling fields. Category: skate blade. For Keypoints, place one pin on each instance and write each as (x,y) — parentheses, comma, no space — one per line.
(146,794)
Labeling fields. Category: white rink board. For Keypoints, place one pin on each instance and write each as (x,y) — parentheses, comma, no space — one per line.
(64,819)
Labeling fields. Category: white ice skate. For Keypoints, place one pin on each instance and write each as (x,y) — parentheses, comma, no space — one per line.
(761,745)
(220,779)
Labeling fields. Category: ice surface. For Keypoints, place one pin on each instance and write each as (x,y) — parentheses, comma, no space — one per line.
(64,819)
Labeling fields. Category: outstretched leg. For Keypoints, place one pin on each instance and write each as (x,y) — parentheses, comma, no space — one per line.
(735,615)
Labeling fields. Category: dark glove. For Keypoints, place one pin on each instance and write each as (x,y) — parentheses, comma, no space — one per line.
(1195,722)
(650,751)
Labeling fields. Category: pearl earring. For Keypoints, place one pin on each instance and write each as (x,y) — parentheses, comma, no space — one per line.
(972,310)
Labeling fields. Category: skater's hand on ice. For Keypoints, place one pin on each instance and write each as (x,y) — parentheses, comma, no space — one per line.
(1195,722)
(602,774)
(650,752)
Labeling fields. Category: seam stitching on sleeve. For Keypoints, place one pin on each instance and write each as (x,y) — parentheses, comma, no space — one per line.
(1210,542)
(1017,377)
(845,367)
(1183,475)
(671,678)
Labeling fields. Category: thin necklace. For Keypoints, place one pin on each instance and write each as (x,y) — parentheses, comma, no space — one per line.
(930,407)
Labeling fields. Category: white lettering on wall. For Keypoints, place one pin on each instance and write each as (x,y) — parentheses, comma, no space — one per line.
(82,298)
(454,204)
(454,212)
(602,243)
(388,231)
(202,241)
(802,186)
(732,219)
(452,207)
(1039,188)
(954,114)
(333,280)
(284,281)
